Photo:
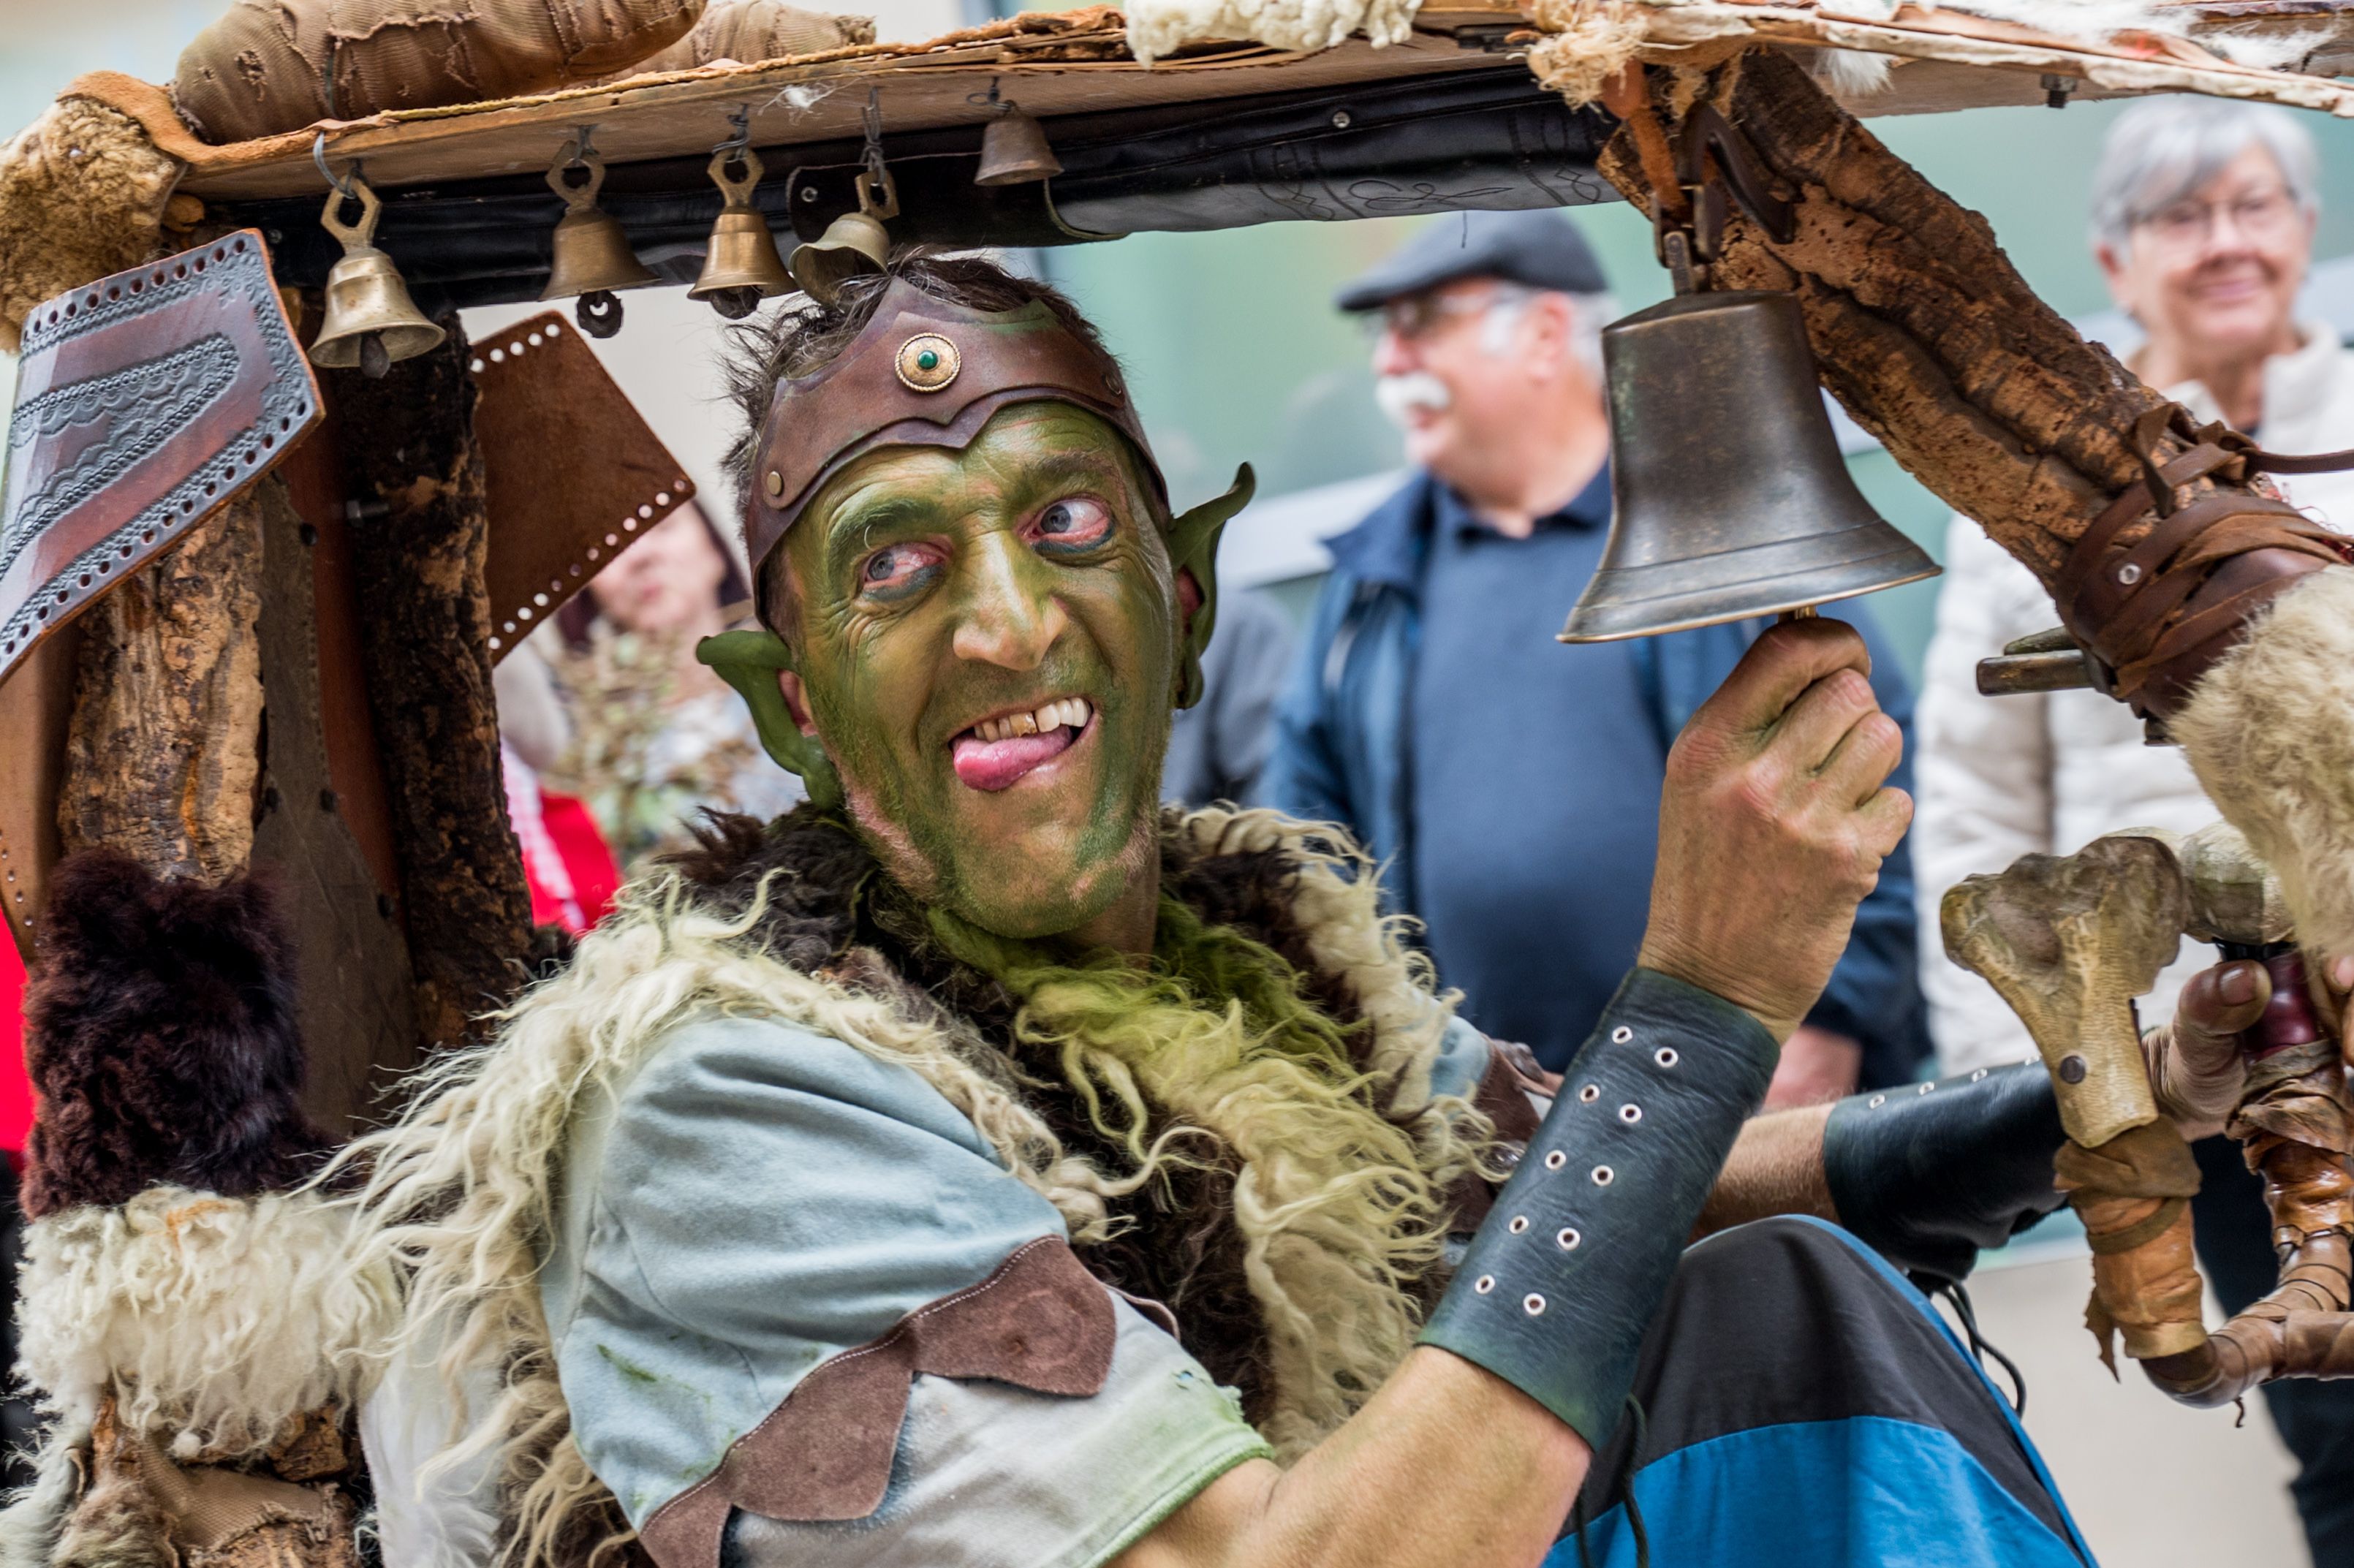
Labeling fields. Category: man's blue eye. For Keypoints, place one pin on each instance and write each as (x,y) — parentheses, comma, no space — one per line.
(1081,520)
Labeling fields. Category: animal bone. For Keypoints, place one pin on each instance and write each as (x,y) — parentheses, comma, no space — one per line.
(2068,943)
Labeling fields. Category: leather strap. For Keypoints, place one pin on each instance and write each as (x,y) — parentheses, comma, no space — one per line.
(2153,613)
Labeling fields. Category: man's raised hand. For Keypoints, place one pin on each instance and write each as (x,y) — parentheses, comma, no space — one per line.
(1774,822)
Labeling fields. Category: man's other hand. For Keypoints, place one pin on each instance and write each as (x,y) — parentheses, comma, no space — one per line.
(2195,1066)
(1773,824)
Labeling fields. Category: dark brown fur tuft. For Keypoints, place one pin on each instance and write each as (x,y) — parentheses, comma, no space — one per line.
(161,1036)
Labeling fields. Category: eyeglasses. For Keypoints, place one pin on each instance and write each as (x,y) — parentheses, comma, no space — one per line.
(1415,316)
(2189,224)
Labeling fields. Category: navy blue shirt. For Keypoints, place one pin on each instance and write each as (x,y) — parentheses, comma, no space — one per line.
(1537,771)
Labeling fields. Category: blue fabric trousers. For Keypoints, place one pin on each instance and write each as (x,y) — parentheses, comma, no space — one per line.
(1803,1406)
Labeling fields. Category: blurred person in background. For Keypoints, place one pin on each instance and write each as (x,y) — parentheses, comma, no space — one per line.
(656,735)
(1218,748)
(567,867)
(2203,215)
(1510,784)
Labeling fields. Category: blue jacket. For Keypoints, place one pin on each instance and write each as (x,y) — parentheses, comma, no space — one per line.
(1341,743)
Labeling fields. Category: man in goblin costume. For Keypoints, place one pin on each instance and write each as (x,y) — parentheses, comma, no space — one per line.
(979,1166)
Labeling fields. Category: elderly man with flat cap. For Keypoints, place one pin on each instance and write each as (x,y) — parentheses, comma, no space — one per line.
(1510,784)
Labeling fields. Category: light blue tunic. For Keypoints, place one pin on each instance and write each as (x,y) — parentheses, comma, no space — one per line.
(760,1199)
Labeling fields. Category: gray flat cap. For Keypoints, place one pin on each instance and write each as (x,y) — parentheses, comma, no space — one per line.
(1540,248)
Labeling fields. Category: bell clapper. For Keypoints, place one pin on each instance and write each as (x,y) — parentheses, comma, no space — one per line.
(370,321)
(590,257)
(740,264)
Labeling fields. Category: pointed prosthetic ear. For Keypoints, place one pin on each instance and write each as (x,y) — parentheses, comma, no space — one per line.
(1193,547)
(749,661)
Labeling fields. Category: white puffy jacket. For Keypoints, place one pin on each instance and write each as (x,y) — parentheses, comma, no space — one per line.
(2000,776)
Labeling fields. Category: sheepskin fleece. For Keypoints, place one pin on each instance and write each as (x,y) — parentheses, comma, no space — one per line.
(214,1321)
(160,1031)
(82,195)
(2270,731)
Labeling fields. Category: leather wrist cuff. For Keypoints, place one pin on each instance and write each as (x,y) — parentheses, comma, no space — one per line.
(1928,1174)
(1559,1285)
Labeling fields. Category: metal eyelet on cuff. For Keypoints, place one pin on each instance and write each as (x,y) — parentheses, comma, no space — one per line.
(1630,1114)
(1556,1159)
(1533,1304)
(1520,1223)
(1589,1093)
(1666,1057)
(1620,1035)
(1925,1088)
(1604,1176)
(1484,1284)
(1567,1238)
(1876,1102)
(1977,1075)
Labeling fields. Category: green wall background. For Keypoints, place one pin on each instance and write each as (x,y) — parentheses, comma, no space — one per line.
(1236,354)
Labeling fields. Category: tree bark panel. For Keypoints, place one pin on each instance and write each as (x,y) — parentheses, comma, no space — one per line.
(407,446)
(163,751)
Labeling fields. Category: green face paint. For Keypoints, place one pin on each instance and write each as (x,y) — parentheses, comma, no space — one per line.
(990,643)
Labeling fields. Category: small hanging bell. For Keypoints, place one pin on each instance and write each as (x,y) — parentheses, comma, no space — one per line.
(592,250)
(855,244)
(741,266)
(370,321)
(1729,495)
(1014,150)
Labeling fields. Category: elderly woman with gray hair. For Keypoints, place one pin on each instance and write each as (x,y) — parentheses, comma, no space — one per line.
(2203,214)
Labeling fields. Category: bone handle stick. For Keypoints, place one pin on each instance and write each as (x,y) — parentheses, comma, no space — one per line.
(2068,943)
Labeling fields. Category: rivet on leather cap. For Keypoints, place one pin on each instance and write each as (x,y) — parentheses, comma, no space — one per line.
(775,484)
(927,362)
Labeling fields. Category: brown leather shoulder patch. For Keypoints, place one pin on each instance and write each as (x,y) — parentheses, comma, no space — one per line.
(1040,1323)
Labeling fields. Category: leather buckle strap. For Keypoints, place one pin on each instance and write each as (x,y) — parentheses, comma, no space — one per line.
(2133,607)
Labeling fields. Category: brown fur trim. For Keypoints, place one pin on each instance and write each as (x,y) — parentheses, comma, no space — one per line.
(161,1036)
(82,195)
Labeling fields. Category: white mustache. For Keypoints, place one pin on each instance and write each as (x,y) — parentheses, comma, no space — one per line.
(1400,396)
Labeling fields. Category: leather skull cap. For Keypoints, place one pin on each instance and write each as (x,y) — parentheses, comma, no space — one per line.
(926,372)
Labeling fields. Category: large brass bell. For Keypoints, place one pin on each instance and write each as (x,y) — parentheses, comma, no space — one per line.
(1729,496)
(592,255)
(741,267)
(853,245)
(370,321)
(1014,151)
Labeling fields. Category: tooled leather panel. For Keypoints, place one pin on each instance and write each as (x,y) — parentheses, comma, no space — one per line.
(1040,1323)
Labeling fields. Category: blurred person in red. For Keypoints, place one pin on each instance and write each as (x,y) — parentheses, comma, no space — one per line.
(656,734)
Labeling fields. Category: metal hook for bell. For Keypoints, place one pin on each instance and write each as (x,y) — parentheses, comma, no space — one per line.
(592,253)
(370,321)
(740,264)
(855,243)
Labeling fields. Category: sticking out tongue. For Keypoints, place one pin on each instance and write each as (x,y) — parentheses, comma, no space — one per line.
(995,765)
